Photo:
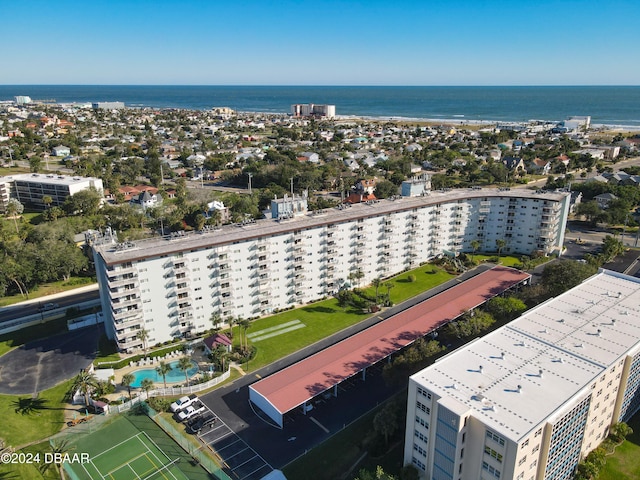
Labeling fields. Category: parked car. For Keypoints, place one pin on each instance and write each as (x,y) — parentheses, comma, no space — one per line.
(49,306)
(191,411)
(195,424)
(183,402)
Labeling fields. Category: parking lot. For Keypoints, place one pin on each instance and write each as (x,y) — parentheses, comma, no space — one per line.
(239,460)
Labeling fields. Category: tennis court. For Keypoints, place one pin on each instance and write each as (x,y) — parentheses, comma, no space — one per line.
(136,457)
(132,447)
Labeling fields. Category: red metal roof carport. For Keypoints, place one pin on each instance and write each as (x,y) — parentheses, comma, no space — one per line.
(293,386)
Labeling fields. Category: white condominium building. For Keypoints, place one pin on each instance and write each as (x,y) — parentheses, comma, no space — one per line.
(31,188)
(171,286)
(311,110)
(533,398)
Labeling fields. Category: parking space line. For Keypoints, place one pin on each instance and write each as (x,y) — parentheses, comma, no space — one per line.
(326,430)
(244,463)
(256,470)
(239,452)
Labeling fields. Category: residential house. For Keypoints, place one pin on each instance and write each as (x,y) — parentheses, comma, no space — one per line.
(61,151)
(604,200)
(367,185)
(310,157)
(514,164)
(146,200)
(539,166)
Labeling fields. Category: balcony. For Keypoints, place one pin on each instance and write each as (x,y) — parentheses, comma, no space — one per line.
(121,271)
(186,327)
(117,281)
(125,292)
(126,303)
(121,315)
(128,323)
(126,344)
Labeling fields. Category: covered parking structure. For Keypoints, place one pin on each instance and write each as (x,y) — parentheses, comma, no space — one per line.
(322,372)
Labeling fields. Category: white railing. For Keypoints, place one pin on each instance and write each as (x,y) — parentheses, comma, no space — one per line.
(169,391)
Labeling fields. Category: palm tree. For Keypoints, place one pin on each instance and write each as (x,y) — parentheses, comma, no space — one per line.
(143,335)
(376,283)
(85,383)
(500,243)
(475,244)
(389,286)
(163,368)
(47,200)
(185,364)
(244,324)
(14,209)
(215,320)
(220,354)
(58,448)
(146,385)
(232,321)
(127,380)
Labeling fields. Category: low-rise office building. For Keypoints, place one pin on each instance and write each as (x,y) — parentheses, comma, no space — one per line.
(531,399)
(171,286)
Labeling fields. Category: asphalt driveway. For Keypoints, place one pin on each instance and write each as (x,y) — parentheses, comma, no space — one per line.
(42,364)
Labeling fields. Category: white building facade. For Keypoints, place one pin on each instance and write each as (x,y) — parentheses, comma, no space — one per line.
(171,286)
(533,398)
(30,188)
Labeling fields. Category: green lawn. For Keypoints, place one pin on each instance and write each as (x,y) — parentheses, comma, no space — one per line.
(324,318)
(30,470)
(624,464)
(12,340)
(334,457)
(48,289)
(25,420)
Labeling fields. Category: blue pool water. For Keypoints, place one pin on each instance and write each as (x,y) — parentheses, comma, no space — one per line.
(175,375)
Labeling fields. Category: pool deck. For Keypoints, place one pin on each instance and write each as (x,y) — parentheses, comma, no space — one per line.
(197,356)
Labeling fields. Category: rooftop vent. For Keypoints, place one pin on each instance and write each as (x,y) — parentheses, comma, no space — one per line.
(502,355)
(540,373)
(519,388)
(480,368)
(598,332)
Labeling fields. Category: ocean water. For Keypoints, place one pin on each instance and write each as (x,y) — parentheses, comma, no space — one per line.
(617,105)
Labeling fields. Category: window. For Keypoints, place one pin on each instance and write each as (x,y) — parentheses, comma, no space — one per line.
(492,453)
(423,407)
(495,437)
(491,470)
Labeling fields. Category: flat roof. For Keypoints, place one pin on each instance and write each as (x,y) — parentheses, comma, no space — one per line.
(48,178)
(298,383)
(229,234)
(553,352)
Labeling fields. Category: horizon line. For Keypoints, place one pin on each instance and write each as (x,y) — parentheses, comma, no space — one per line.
(304,85)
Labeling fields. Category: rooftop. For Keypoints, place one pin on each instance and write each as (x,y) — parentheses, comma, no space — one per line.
(551,353)
(268,227)
(303,380)
(46,178)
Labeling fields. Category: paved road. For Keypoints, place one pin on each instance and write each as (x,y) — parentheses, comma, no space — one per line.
(64,300)
(303,432)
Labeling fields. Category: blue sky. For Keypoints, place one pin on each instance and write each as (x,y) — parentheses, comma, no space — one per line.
(365,42)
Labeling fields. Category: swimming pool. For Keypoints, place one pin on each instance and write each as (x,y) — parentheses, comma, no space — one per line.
(175,375)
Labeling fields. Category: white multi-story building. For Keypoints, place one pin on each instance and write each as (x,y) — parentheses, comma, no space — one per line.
(171,286)
(531,399)
(107,105)
(31,188)
(311,109)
